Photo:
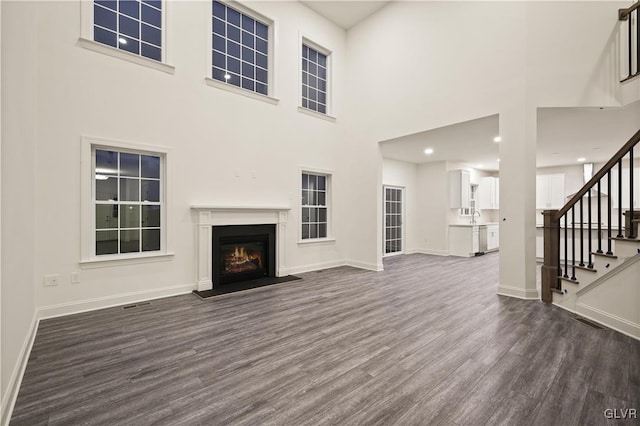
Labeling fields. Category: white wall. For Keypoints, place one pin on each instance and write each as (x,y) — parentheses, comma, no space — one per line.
(433,208)
(213,135)
(502,57)
(403,174)
(19,133)
(573,54)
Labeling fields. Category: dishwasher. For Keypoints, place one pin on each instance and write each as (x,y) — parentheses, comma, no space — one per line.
(482,240)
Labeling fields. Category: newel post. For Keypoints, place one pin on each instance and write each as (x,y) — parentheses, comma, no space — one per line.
(550,267)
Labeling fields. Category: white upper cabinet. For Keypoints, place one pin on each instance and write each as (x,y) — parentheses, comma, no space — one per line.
(550,191)
(489,193)
(459,189)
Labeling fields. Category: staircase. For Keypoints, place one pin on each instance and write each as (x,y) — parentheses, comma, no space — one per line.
(592,246)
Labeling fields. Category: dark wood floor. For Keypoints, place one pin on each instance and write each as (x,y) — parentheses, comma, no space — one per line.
(427,341)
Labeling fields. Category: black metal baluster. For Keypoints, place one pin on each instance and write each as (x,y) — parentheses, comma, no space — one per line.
(599,220)
(609,212)
(566,252)
(637,40)
(589,265)
(630,55)
(632,231)
(573,242)
(581,234)
(620,199)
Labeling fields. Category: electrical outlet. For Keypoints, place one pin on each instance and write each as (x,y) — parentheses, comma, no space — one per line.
(75,277)
(51,280)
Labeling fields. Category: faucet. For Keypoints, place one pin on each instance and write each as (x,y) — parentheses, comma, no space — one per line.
(473,216)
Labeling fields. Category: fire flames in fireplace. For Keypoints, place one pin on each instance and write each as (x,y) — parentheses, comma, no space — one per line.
(239,260)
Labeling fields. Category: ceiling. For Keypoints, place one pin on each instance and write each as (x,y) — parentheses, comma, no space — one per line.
(564,135)
(345,14)
(468,142)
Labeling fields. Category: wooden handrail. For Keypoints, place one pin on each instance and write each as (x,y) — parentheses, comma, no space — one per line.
(603,171)
(623,14)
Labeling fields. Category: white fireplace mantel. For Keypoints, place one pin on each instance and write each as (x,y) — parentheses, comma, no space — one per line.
(215,215)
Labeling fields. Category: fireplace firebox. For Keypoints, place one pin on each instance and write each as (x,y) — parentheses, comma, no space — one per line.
(243,253)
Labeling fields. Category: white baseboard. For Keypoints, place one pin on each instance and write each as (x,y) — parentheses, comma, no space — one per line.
(9,399)
(69,308)
(312,267)
(518,292)
(612,321)
(429,251)
(377,267)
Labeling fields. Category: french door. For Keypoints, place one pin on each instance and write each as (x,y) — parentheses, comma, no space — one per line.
(393,220)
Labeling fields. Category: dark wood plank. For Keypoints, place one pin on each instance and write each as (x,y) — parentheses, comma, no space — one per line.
(427,341)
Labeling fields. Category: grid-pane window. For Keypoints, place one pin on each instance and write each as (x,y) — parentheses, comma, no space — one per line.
(240,49)
(131,25)
(128,202)
(393,202)
(314,205)
(314,79)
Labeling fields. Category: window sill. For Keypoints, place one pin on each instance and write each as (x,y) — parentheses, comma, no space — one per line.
(316,114)
(116,260)
(317,241)
(126,56)
(244,92)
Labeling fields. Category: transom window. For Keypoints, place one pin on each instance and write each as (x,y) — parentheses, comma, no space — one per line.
(131,25)
(314,79)
(314,205)
(240,49)
(128,202)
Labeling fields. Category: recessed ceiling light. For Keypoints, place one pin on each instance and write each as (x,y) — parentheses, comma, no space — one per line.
(122,40)
(597,148)
(498,160)
(581,160)
(478,166)
(497,139)
(428,151)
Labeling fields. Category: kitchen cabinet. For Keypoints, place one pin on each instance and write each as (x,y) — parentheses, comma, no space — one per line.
(493,236)
(489,193)
(459,189)
(550,191)
(468,239)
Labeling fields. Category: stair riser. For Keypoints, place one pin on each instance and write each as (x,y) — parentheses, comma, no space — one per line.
(601,263)
(625,249)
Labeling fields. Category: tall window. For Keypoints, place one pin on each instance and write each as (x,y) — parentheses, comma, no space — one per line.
(131,25)
(314,205)
(240,49)
(128,201)
(314,79)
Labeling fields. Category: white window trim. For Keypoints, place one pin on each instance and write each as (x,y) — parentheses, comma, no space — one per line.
(271,96)
(330,176)
(303,40)
(87,217)
(86,40)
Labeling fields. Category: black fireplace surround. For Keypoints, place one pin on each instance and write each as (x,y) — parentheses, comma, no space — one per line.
(243,253)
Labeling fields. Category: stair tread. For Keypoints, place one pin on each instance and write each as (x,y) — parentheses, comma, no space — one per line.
(568,279)
(636,240)
(610,256)
(586,268)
